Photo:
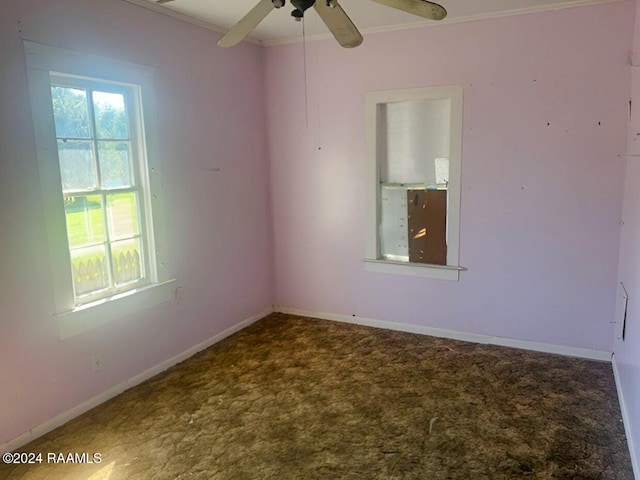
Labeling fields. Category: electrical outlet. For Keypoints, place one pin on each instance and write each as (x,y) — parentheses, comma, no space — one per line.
(97,363)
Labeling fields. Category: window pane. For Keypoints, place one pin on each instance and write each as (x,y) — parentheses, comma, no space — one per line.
(122,209)
(393,226)
(416,134)
(115,167)
(70,112)
(89,270)
(442,172)
(111,115)
(85,220)
(77,167)
(127,261)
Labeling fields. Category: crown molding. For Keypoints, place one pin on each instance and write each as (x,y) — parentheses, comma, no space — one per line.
(447,21)
(367,31)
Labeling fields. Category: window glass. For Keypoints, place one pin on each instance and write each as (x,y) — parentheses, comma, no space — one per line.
(115,164)
(122,210)
(393,226)
(89,270)
(111,115)
(77,165)
(103,211)
(85,220)
(127,261)
(70,112)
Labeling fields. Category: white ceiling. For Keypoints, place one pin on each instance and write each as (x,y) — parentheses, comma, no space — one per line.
(280,27)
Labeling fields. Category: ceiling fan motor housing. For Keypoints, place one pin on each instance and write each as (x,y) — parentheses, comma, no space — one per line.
(301,7)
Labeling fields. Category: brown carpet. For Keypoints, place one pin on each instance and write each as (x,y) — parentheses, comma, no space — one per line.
(294,398)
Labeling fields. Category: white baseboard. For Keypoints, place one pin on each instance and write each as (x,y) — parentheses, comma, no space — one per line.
(635,461)
(63,418)
(454,335)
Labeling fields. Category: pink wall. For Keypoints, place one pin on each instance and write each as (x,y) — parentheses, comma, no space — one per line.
(545,109)
(627,352)
(635,52)
(540,203)
(211,110)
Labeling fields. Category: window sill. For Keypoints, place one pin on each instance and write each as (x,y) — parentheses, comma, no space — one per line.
(438,272)
(113,308)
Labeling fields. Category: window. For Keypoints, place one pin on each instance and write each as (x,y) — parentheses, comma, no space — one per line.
(100,164)
(93,135)
(414,152)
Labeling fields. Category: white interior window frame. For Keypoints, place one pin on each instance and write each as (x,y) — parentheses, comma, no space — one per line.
(42,62)
(373,260)
(140,186)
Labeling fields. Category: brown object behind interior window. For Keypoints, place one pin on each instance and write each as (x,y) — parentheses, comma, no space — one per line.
(427,213)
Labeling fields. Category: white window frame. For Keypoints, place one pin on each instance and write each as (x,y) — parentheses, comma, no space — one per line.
(373,260)
(140,186)
(43,62)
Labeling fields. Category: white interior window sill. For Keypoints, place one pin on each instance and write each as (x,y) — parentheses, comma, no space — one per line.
(101,312)
(438,272)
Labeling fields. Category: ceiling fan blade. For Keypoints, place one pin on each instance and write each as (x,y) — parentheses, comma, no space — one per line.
(240,30)
(339,23)
(422,8)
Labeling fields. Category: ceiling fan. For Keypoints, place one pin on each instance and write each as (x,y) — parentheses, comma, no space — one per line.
(331,13)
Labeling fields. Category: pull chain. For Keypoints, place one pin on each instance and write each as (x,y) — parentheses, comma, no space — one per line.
(304,54)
